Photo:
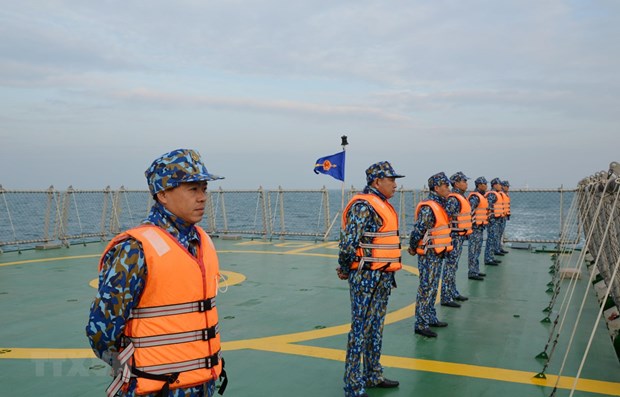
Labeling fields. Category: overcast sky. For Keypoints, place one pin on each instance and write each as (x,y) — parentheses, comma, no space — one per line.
(92,91)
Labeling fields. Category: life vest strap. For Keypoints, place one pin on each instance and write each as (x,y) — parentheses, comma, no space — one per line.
(380,246)
(184,366)
(429,246)
(124,374)
(436,229)
(370,259)
(169,310)
(182,337)
(381,234)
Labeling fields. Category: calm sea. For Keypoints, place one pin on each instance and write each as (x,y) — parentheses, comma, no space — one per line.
(30,217)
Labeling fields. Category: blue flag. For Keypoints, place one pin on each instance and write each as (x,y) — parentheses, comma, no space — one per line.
(331,165)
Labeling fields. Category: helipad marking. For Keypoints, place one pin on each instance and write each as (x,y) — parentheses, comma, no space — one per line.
(62,258)
(287,343)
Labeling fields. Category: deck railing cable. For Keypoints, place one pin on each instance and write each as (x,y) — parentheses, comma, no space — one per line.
(608,184)
(563,312)
(555,285)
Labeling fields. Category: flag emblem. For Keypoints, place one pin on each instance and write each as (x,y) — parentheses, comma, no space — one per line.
(331,165)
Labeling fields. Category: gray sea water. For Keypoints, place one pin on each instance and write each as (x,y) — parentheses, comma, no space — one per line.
(31,218)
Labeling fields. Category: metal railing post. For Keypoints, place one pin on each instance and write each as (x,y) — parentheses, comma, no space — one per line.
(281,200)
(106,195)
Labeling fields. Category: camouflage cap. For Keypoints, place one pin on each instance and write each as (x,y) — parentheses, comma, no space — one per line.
(496,181)
(457,177)
(480,181)
(506,183)
(176,167)
(437,180)
(382,169)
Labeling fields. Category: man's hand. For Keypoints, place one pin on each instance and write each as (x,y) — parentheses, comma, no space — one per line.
(411,251)
(341,275)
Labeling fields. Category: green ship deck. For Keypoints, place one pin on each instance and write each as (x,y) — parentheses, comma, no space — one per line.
(284,319)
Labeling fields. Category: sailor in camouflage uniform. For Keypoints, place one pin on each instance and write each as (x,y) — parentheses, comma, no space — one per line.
(475,238)
(429,259)
(123,274)
(370,279)
(449,293)
(494,228)
(500,250)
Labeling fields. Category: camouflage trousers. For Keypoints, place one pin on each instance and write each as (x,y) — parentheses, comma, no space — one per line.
(450,266)
(369,290)
(493,234)
(502,227)
(473,251)
(429,266)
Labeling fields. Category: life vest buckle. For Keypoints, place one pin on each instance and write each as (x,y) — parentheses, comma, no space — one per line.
(206,304)
(212,361)
(210,333)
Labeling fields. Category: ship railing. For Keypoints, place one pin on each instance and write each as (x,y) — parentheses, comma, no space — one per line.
(48,218)
(595,210)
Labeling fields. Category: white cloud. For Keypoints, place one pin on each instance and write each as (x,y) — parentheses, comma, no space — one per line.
(482,82)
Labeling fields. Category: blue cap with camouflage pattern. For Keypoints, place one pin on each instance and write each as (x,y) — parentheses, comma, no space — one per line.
(506,183)
(480,181)
(457,177)
(496,181)
(437,180)
(176,167)
(382,169)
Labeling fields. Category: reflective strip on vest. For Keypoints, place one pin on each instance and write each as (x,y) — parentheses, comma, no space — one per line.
(169,310)
(199,363)
(126,375)
(381,234)
(428,237)
(182,337)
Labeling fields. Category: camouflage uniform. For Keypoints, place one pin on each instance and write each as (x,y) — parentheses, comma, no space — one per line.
(429,264)
(475,238)
(500,249)
(451,264)
(369,291)
(124,272)
(494,228)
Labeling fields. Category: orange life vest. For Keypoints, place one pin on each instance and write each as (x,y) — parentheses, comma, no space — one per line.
(506,203)
(498,207)
(480,214)
(385,245)
(437,238)
(173,333)
(461,223)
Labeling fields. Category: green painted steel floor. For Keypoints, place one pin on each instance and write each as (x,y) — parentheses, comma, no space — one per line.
(284,322)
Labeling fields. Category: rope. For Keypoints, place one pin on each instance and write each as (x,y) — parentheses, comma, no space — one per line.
(128,208)
(583,301)
(569,296)
(61,226)
(8,212)
(598,317)
(77,213)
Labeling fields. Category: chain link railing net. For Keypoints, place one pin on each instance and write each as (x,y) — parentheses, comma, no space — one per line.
(30,218)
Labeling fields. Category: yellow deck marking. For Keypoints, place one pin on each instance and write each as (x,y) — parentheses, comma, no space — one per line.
(286,344)
(307,248)
(63,258)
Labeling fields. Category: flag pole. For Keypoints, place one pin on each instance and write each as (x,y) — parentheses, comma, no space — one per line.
(344,143)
